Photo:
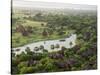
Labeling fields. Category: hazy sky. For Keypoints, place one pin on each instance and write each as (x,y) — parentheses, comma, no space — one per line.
(26,3)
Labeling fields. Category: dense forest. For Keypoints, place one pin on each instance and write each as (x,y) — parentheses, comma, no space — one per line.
(28,28)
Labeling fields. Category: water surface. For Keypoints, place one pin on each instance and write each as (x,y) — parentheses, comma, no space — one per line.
(47,44)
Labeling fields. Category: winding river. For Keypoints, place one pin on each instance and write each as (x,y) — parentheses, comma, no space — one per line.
(47,44)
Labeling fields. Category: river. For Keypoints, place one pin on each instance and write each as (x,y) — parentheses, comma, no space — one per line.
(47,44)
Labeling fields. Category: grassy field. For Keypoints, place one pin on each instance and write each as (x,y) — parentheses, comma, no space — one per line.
(33,23)
(19,40)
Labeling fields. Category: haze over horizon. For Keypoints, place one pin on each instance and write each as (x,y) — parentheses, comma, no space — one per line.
(39,4)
